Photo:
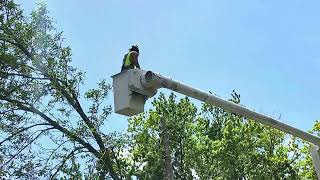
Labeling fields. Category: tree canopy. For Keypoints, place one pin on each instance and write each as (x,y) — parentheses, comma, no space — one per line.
(214,144)
(41,102)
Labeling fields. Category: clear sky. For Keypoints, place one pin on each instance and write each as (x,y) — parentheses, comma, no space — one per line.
(267,50)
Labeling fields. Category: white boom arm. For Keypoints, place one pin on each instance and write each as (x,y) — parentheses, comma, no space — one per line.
(155,80)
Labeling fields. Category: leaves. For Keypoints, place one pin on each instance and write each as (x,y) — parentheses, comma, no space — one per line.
(211,144)
(40,102)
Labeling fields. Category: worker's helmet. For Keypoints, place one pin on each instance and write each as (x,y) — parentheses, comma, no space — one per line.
(134,48)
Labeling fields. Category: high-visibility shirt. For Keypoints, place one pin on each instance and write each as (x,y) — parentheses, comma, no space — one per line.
(128,62)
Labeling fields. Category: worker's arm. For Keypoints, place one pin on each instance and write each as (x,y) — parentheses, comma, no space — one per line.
(134,56)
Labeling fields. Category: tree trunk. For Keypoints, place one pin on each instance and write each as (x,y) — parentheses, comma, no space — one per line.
(168,171)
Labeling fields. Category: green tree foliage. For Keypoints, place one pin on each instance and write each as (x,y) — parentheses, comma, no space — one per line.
(210,144)
(44,127)
(148,146)
(305,163)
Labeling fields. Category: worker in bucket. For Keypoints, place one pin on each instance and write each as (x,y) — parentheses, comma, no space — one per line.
(130,60)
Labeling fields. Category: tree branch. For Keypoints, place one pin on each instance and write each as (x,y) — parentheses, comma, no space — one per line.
(106,159)
(17,87)
(74,103)
(21,130)
(18,44)
(117,162)
(54,150)
(65,131)
(6,111)
(23,75)
(25,146)
(65,160)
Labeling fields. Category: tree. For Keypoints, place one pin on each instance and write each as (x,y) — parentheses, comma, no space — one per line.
(246,149)
(210,144)
(44,127)
(148,146)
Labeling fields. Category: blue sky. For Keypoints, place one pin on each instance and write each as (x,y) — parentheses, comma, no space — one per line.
(268,51)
